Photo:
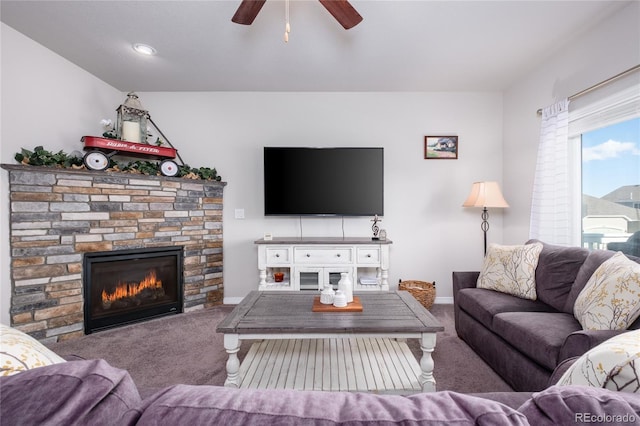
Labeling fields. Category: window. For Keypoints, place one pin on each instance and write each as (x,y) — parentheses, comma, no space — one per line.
(610,177)
(604,136)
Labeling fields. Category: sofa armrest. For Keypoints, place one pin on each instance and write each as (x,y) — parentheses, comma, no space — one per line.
(579,342)
(462,280)
(466,279)
(560,369)
(69,393)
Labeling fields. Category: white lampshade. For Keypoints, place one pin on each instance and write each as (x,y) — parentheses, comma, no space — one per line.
(485,194)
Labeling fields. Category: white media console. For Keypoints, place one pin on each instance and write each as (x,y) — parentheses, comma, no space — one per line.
(310,263)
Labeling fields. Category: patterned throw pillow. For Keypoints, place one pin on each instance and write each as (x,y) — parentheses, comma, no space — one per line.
(20,352)
(611,298)
(511,269)
(613,364)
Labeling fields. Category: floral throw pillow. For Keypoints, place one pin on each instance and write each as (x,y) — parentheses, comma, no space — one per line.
(611,298)
(511,269)
(20,352)
(613,364)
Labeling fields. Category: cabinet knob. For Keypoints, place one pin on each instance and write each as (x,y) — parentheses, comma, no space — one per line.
(369,255)
(277,255)
(338,255)
(308,255)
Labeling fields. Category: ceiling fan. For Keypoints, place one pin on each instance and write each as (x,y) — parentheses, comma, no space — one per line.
(341,10)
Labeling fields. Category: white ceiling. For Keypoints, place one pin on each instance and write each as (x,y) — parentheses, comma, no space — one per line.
(399,46)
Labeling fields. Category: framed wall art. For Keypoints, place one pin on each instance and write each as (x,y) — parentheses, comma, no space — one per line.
(440,147)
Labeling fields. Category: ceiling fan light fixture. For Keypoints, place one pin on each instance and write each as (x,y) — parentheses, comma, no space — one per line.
(287,25)
(144,49)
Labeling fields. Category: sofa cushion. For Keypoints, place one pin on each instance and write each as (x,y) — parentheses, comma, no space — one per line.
(516,368)
(611,298)
(571,405)
(511,269)
(557,269)
(483,305)
(614,365)
(539,335)
(21,352)
(591,263)
(75,392)
(510,399)
(200,405)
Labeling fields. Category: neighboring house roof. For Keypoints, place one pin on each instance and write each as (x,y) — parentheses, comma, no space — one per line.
(624,194)
(592,206)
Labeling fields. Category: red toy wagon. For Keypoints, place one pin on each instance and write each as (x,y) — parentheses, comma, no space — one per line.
(99,150)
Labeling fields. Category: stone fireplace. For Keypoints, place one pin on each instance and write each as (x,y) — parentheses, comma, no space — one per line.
(59,215)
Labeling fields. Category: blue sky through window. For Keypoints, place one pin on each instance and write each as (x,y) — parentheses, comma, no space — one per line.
(611,158)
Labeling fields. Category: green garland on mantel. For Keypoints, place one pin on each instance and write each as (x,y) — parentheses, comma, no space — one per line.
(41,157)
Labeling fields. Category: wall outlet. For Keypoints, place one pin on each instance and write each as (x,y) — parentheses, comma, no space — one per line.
(239,213)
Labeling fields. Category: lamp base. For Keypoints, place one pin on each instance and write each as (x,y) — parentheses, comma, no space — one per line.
(485,227)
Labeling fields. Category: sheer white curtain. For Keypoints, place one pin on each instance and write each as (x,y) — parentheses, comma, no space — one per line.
(551,204)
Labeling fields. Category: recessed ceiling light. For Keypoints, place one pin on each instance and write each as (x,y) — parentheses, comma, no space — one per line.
(144,49)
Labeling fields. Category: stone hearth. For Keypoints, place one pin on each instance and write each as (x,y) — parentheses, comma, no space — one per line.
(57,215)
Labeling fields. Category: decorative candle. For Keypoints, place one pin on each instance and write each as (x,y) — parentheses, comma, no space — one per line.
(131,131)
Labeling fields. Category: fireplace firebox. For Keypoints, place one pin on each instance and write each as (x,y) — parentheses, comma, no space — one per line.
(126,286)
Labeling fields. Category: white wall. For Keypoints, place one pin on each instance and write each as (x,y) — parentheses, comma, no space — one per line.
(48,101)
(432,234)
(591,57)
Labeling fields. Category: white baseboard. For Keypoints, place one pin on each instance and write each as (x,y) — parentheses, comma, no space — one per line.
(232,300)
(443,300)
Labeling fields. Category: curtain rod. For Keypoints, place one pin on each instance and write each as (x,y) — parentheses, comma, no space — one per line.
(598,85)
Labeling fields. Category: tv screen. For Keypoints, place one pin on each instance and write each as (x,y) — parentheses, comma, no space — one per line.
(323,181)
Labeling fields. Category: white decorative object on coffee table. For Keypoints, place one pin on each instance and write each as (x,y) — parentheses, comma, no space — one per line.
(340,299)
(346,286)
(327,295)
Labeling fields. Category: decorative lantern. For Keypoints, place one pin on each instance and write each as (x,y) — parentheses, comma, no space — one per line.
(132,120)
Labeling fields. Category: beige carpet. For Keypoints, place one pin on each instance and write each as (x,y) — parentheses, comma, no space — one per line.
(186,349)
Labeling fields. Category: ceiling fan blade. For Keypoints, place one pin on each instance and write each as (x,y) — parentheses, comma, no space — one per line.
(247,11)
(344,13)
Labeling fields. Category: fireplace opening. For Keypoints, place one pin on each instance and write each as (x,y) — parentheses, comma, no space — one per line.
(126,286)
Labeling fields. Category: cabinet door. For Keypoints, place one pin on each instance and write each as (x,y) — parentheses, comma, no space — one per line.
(315,279)
(332,276)
(309,278)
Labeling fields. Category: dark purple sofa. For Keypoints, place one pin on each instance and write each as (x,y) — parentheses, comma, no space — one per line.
(91,392)
(525,340)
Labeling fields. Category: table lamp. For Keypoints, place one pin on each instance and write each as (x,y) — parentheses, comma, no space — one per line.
(485,195)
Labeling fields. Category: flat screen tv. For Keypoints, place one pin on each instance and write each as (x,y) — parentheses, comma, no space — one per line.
(323,181)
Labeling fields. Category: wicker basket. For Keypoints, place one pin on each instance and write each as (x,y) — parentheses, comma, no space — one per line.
(424,292)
